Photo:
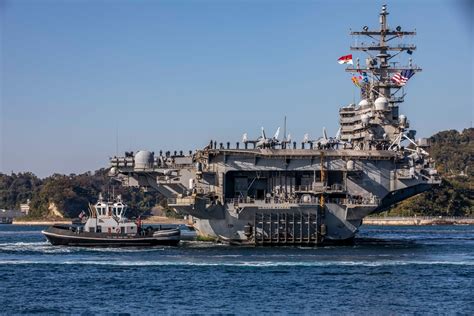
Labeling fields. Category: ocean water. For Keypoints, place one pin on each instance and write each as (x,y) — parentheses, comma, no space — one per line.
(390,270)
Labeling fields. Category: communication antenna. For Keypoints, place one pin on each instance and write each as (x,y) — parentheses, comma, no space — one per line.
(116,140)
(284,128)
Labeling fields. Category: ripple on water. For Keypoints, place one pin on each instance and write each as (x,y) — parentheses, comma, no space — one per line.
(46,247)
(42,247)
(257,264)
(389,266)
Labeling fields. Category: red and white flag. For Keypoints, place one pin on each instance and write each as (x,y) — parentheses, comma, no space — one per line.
(345,60)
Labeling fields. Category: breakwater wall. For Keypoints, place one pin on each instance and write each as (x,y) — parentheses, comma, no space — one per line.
(419,220)
(40,223)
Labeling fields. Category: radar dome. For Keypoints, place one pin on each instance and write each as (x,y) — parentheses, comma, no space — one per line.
(306,198)
(364,103)
(365,119)
(350,165)
(143,159)
(402,119)
(113,171)
(381,104)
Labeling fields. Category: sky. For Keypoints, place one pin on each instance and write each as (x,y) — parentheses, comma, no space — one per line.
(81,79)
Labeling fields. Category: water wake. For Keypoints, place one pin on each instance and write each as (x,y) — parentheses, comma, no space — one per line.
(46,247)
(236,263)
(43,247)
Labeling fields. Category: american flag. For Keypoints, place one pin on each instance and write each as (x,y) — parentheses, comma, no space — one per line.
(402,77)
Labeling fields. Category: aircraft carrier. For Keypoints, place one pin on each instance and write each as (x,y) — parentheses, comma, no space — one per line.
(271,191)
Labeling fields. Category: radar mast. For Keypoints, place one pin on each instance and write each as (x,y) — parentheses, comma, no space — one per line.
(380,93)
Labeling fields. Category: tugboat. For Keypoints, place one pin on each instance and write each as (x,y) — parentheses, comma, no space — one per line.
(107,226)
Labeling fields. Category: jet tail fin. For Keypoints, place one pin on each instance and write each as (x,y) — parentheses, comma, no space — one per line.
(277,133)
(244,138)
(306,138)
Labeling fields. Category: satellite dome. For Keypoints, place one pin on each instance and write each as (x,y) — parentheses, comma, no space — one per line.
(143,159)
(381,104)
(113,171)
(306,198)
(365,119)
(402,119)
(364,103)
(350,165)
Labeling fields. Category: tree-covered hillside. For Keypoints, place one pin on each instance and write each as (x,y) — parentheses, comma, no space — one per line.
(70,194)
(453,152)
(67,194)
(17,188)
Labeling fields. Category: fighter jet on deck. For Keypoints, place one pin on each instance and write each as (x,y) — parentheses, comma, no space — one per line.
(263,141)
(324,142)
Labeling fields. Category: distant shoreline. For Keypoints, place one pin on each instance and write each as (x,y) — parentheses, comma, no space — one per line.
(376,221)
(418,221)
(40,222)
(150,221)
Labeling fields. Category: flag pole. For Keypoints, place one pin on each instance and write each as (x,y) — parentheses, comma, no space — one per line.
(353,92)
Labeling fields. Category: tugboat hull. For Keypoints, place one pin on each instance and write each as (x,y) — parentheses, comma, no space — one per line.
(64,235)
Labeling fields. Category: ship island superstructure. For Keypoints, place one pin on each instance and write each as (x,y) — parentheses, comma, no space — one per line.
(278,192)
